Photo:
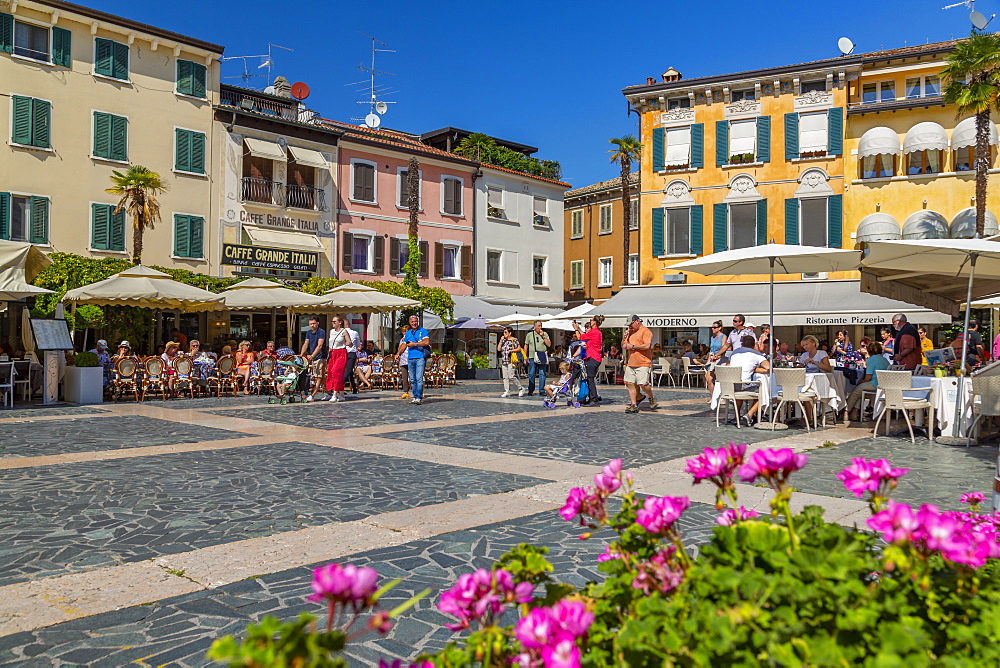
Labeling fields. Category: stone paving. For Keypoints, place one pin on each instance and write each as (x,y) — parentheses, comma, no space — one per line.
(139,533)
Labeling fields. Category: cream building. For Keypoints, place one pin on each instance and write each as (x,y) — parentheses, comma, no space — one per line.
(87,93)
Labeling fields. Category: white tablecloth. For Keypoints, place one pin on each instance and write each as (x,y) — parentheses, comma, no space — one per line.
(943,395)
(828,387)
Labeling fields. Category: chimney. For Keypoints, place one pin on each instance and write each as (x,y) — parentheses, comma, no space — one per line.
(671,75)
(650,81)
(282,88)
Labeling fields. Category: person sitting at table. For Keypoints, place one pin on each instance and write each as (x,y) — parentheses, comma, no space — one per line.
(875,362)
(657,350)
(764,340)
(124,350)
(751,361)
(268,350)
(971,358)
(363,367)
(816,360)
(862,348)
(245,359)
(283,348)
(615,353)
(169,356)
(688,352)
(372,349)
(782,353)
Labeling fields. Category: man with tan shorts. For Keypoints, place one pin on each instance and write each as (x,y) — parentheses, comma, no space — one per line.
(638,344)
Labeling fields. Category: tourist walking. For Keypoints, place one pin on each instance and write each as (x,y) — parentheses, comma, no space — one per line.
(339,340)
(314,350)
(352,359)
(418,342)
(638,345)
(735,338)
(593,339)
(536,346)
(507,346)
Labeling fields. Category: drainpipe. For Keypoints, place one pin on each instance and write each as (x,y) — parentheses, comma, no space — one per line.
(475,230)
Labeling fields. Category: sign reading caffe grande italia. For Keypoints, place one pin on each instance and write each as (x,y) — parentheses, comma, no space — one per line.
(261,257)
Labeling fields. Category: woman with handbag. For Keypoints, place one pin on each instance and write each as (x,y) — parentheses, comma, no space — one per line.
(508,346)
(339,341)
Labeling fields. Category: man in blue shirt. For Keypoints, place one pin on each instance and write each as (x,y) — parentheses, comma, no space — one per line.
(417,341)
(314,350)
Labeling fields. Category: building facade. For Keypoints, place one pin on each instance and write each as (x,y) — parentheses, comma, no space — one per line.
(89,93)
(593,241)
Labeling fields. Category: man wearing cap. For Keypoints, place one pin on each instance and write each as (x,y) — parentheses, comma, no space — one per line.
(637,345)
(101,350)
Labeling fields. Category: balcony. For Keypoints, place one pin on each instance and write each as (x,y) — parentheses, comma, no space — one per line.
(305,197)
(262,191)
(266,105)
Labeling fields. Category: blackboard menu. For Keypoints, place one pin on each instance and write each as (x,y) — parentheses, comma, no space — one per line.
(51,334)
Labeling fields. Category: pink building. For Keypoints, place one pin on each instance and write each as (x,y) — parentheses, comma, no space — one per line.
(372,215)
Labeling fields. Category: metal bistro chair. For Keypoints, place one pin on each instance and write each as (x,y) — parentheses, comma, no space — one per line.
(264,380)
(22,373)
(727,377)
(155,377)
(184,369)
(789,381)
(125,378)
(7,383)
(893,384)
(987,388)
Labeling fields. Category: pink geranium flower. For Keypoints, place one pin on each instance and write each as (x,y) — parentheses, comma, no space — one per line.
(344,584)
(876,476)
(658,514)
(772,464)
(732,516)
(898,523)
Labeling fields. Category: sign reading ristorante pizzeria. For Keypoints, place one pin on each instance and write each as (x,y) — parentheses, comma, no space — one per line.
(262,257)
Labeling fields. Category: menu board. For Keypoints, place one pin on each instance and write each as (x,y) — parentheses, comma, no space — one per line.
(51,334)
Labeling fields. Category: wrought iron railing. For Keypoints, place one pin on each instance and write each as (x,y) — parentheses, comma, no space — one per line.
(291,110)
(305,197)
(264,191)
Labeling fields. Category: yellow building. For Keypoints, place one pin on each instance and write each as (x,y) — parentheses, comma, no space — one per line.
(88,93)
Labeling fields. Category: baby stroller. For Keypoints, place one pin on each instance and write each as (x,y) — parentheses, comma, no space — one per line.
(575,389)
(286,379)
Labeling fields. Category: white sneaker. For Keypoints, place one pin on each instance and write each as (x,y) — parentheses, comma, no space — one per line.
(309,398)
(326,396)
(414,401)
(333,398)
(418,401)
(505,395)
(521,392)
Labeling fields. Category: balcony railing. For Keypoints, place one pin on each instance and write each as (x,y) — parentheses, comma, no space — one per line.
(263,104)
(263,191)
(305,197)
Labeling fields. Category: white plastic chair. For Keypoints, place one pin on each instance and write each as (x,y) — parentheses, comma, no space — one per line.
(7,383)
(893,384)
(789,381)
(665,369)
(688,371)
(987,388)
(727,377)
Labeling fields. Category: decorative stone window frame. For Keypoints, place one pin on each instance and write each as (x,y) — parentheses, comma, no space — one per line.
(742,188)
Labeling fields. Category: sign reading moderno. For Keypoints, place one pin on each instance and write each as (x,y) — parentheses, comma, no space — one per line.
(261,257)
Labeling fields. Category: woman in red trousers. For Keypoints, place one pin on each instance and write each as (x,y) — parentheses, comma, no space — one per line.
(340,339)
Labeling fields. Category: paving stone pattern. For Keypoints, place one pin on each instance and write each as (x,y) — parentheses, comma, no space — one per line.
(180,630)
(92,514)
(56,437)
(38,410)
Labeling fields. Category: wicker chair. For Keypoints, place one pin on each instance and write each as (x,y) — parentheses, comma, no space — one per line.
(375,377)
(264,380)
(727,377)
(125,378)
(893,384)
(154,378)
(225,376)
(390,372)
(789,381)
(987,388)
(449,363)
(184,368)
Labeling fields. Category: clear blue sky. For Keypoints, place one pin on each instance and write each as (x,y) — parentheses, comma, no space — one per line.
(548,74)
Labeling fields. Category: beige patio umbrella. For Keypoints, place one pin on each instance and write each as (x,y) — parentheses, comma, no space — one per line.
(19,264)
(257,293)
(145,288)
(357,298)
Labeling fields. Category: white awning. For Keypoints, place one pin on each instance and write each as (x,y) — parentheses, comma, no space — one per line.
(835,303)
(261,148)
(467,306)
(813,132)
(963,225)
(309,157)
(878,227)
(964,134)
(878,141)
(263,236)
(925,224)
(926,136)
(678,146)
(743,137)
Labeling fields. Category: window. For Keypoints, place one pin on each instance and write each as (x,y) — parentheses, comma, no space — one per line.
(576,224)
(743,225)
(188,235)
(813,221)
(31,41)
(677,153)
(361,253)
(300,189)
(111,59)
(813,134)
(633,223)
(678,103)
(110,137)
(31,123)
(403,249)
(189,151)
(745,94)
(878,166)
(677,235)
(633,269)
(24,218)
(605,266)
(493,258)
(743,138)
(538,277)
(605,225)
(363,181)
(882,91)
(925,86)
(965,158)
(451,196)
(449,261)
(812,86)
(494,202)
(191,78)
(924,162)
(404,190)
(107,228)
(576,275)
(540,209)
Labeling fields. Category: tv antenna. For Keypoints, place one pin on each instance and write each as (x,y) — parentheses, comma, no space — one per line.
(376,107)
(266,61)
(845,45)
(970,4)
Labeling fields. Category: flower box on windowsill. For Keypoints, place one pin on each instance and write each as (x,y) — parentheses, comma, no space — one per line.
(742,159)
(813,154)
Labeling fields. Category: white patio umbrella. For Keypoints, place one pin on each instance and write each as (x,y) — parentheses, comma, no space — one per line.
(516,319)
(258,293)
(19,264)
(146,288)
(570,314)
(357,298)
(787,258)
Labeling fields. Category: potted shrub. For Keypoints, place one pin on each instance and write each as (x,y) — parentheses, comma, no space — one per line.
(482,368)
(84,382)
(465,369)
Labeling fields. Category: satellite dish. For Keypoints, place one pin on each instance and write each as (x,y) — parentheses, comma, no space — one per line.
(381,107)
(300,91)
(845,45)
(372,120)
(979,20)
(269,90)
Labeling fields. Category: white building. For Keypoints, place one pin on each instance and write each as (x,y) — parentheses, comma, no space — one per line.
(519,240)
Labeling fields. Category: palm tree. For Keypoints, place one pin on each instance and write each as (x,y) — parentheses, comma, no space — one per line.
(626,150)
(136,190)
(477,146)
(972,83)
(412,268)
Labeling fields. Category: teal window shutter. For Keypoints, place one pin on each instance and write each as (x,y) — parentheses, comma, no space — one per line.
(197,141)
(836,131)
(41,121)
(196,231)
(6,35)
(697,145)
(198,85)
(182,246)
(4,215)
(721,143)
(761,222)
(182,152)
(117,234)
(791,136)
(697,233)
(792,220)
(835,221)
(39,233)
(119,138)
(120,61)
(103,64)
(185,82)
(763,138)
(62,43)
(720,227)
(659,136)
(100,226)
(102,135)
(22,122)
(658,223)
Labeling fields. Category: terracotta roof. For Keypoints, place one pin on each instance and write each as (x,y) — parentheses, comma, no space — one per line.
(610,184)
(530,176)
(399,139)
(906,51)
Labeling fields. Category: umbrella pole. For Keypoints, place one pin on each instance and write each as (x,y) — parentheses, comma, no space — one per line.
(770,424)
(960,438)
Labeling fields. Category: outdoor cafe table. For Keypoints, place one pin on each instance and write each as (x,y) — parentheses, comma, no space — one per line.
(943,395)
(828,387)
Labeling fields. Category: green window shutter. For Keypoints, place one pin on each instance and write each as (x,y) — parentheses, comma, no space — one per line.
(4,215)
(119,138)
(102,135)
(182,161)
(182,246)
(6,35)
(761,222)
(62,43)
(39,220)
(659,137)
(41,122)
(835,221)
(720,227)
(658,223)
(21,125)
(196,232)
(185,81)
(117,234)
(198,85)
(721,143)
(697,145)
(197,144)
(791,136)
(103,64)
(100,223)
(119,60)
(792,220)
(835,131)
(763,138)
(697,233)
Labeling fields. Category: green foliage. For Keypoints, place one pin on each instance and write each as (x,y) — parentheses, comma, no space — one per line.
(277,644)
(203,281)
(484,148)
(481,361)
(136,190)
(85,360)
(435,300)
(412,266)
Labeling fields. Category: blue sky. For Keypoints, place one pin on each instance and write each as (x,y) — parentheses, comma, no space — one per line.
(547,74)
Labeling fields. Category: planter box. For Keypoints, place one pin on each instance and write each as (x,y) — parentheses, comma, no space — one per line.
(84,385)
(465,374)
(487,374)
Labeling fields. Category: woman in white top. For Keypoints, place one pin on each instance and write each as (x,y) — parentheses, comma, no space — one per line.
(339,340)
(816,360)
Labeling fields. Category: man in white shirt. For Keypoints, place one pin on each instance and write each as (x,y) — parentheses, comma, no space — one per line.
(751,362)
(352,360)
(735,338)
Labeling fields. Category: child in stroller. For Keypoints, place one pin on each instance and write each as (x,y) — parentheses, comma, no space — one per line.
(569,385)
(287,379)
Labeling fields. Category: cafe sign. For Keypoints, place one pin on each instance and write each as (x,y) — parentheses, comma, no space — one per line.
(261,257)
